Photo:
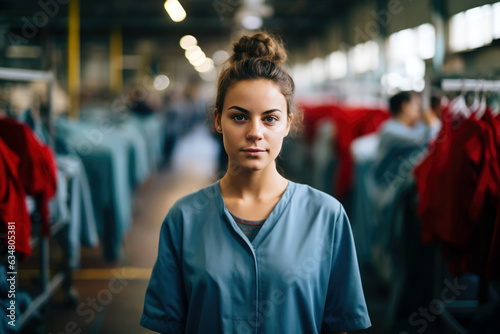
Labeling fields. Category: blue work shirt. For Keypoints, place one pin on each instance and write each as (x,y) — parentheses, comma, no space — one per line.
(299,275)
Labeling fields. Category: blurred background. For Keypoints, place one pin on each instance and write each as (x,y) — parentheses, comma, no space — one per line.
(103,127)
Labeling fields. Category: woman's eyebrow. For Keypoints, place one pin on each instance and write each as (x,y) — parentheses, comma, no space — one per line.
(247,112)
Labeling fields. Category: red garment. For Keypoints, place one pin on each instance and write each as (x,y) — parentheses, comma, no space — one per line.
(313,115)
(458,184)
(12,202)
(353,123)
(493,265)
(37,167)
(350,123)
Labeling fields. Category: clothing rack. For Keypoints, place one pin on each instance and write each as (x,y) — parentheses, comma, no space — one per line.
(62,279)
(461,307)
(458,85)
(452,307)
(22,75)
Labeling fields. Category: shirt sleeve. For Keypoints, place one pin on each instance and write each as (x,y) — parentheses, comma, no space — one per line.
(165,305)
(345,308)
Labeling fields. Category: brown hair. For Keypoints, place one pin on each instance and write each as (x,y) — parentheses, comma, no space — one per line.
(260,56)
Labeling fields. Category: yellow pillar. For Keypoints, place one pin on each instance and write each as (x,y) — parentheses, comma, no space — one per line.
(116,61)
(74,58)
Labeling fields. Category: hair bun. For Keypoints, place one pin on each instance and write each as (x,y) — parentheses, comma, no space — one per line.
(259,46)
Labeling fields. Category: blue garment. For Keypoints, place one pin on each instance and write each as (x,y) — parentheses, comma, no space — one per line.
(399,149)
(106,157)
(299,275)
(364,151)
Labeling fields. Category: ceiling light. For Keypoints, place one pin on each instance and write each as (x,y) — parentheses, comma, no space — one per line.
(175,10)
(192,50)
(207,65)
(195,55)
(251,22)
(198,61)
(187,41)
(161,82)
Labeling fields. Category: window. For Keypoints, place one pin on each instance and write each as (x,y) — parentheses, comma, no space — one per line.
(364,57)
(475,27)
(426,36)
(337,65)
(496,20)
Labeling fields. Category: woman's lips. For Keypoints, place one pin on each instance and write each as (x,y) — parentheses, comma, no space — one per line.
(253,151)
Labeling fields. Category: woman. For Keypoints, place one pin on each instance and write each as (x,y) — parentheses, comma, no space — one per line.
(254,252)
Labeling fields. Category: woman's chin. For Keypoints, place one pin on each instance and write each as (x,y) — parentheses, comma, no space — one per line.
(252,166)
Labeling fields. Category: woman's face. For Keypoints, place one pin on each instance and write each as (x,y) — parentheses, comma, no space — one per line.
(253,123)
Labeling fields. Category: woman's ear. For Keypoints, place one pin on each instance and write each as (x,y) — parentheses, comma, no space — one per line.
(289,124)
(217,123)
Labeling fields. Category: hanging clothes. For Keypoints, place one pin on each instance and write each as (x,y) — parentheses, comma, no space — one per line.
(36,168)
(12,202)
(458,184)
(351,123)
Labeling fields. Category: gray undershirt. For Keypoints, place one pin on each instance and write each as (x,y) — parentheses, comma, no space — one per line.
(249,227)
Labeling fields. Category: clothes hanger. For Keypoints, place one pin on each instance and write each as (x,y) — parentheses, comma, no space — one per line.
(458,106)
(474,106)
(481,109)
(481,104)
(495,107)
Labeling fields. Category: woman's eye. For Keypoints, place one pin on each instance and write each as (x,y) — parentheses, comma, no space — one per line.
(239,117)
(271,119)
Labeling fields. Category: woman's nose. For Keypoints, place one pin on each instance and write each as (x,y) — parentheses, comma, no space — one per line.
(255,130)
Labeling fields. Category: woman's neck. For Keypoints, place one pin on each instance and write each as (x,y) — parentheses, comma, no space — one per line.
(255,185)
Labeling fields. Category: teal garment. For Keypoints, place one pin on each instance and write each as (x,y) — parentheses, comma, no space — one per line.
(106,157)
(299,275)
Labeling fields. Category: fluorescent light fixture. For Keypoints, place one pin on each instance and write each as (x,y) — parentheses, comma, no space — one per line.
(198,61)
(161,82)
(251,22)
(187,41)
(175,10)
(207,65)
(195,55)
(191,50)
